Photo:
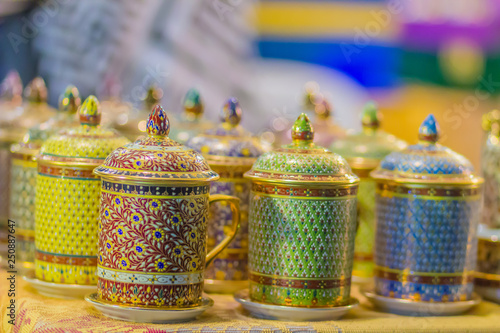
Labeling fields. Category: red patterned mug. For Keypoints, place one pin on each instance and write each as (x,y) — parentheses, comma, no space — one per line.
(155,196)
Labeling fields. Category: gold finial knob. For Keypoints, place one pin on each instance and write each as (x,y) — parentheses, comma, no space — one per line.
(90,111)
(429,130)
(302,129)
(370,117)
(70,101)
(193,105)
(231,112)
(158,122)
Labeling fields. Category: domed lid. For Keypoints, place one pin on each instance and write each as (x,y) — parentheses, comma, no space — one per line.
(365,149)
(302,161)
(191,122)
(69,102)
(85,145)
(427,161)
(156,157)
(228,143)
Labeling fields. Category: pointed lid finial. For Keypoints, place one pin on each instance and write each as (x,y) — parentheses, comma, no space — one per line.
(370,118)
(193,104)
(158,123)
(302,129)
(90,111)
(429,130)
(12,86)
(36,91)
(153,97)
(70,101)
(231,112)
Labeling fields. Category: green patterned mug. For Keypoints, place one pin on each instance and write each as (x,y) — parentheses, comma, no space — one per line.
(302,224)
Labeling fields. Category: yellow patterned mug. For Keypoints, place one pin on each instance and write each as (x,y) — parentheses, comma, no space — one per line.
(67,199)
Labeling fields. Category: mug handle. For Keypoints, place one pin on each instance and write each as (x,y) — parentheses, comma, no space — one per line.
(235,226)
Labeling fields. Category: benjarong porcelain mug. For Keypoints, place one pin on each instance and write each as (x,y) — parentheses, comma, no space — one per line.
(67,198)
(154,213)
(427,211)
(302,224)
(230,150)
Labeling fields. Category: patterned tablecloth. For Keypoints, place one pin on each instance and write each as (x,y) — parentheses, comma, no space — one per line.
(40,314)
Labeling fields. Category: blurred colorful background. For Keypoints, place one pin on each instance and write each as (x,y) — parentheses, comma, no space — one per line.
(412,57)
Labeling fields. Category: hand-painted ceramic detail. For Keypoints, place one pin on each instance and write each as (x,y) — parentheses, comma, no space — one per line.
(152,231)
(301,236)
(156,156)
(65,236)
(425,247)
(427,157)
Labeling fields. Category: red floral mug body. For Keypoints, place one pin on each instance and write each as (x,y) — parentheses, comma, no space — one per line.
(154,211)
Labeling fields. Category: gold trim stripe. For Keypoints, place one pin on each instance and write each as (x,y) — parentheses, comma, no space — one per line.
(292,197)
(390,194)
(155,196)
(296,278)
(149,273)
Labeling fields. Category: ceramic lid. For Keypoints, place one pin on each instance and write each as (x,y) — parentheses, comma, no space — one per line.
(69,102)
(156,157)
(84,145)
(427,162)
(191,122)
(302,161)
(228,143)
(365,149)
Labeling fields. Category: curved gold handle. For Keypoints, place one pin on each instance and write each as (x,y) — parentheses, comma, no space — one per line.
(235,209)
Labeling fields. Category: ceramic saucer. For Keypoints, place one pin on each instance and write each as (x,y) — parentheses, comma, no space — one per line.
(154,315)
(224,287)
(413,308)
(59,290)
(289,313)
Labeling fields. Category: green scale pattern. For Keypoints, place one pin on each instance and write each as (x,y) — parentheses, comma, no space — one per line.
(308,239)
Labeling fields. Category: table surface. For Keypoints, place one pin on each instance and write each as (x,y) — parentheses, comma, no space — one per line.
(36,313)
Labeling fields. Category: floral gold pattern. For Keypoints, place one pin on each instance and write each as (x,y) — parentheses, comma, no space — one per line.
(153,221)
